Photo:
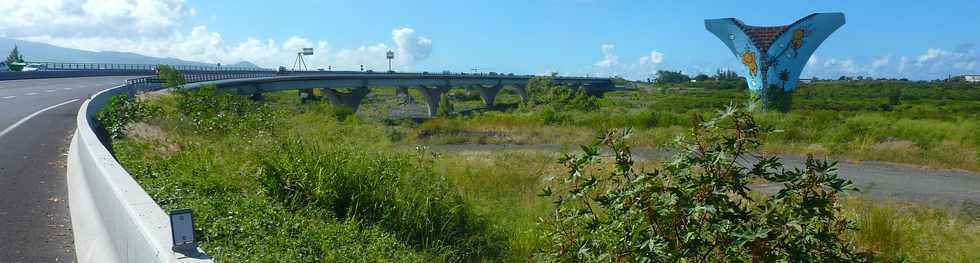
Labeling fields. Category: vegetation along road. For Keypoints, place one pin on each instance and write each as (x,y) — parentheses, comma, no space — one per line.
(307,181)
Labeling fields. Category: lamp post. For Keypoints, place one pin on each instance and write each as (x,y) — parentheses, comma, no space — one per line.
(390,55)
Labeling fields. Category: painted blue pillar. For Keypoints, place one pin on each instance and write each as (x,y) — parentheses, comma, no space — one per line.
(773,57)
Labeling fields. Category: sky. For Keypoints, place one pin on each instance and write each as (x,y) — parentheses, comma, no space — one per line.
(633,39)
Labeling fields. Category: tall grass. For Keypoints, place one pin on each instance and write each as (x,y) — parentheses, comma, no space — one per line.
(927,124)
(915,232)
(319,184)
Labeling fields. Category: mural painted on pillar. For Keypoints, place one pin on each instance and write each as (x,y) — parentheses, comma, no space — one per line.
(748,59)
(774,56)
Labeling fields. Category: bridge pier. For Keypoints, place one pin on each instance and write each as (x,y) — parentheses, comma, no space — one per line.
(522,91)
(432,97)
(350,99)
(489,94)
(402,92)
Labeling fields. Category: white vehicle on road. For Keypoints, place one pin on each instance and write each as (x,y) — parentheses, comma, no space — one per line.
(30,68)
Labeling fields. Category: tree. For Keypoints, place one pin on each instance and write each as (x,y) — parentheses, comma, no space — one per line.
(726,75)
(698,206)
(702,77)
(543,92)
(172,78)
(14,56)
(666,76)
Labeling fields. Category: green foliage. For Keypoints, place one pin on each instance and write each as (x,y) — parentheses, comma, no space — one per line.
(726,75)
(776,98)
(697,208)
(667,76)
(172,78)
(235,222)
(121,111)
(544,93)
(395,192)
(468,94)
(212,111)
(14,57)
(445,105)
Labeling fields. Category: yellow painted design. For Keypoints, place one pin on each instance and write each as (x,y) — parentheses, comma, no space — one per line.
(748,58)
(798,35)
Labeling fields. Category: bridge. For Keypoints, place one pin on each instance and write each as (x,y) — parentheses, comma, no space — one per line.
(432,87)
(111,218)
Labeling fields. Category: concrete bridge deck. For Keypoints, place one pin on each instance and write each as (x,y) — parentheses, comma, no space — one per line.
(431,86)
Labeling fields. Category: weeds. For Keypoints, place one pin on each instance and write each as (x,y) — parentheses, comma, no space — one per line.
(697,208)
(121,111)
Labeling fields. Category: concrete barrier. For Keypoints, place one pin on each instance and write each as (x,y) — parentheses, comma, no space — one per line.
(113,218)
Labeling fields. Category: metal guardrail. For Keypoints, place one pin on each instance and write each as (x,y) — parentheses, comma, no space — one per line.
(155,82)
(43,65)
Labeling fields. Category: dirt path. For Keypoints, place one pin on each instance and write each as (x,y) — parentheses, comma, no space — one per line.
(879,180)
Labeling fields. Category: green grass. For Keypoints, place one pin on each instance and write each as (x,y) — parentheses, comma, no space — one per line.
(312,183)
(926,124)
(915,232)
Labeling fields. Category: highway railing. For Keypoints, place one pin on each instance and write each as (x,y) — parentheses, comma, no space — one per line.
(42,65)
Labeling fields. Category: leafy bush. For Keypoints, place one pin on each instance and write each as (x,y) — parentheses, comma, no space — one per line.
(543,92)
(121,111)
(396,192)
(468,94)
(172,78)
(698,207)
(213,111)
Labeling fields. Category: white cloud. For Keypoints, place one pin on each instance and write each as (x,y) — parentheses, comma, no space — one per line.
(880,62)
(610,64)
(608,59)
(411,47)
(934,63)
(846,65)
(152,27)
(654,58)
(90,18)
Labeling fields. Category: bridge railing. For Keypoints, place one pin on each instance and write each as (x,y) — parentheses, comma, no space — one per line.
(45,65)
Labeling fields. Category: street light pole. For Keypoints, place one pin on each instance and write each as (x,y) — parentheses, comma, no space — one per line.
(390,55)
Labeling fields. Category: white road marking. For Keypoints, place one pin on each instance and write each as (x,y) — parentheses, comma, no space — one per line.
(50,90)
(25,119)
(67,88)
(30,94)
(9,97)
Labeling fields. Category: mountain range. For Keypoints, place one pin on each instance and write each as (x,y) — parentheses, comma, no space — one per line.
(41,52)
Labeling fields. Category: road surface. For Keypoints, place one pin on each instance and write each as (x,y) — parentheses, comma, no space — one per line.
(37,120)
(879,180)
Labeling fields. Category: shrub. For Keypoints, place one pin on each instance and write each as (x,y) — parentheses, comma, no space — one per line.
(543,92)
(212,111)
(172,78)
(698,207)
(121,111)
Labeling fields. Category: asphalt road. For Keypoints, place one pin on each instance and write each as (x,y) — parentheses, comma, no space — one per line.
(876,180)
(37,120)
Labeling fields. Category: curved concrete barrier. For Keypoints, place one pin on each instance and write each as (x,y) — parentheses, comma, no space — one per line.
(113,218)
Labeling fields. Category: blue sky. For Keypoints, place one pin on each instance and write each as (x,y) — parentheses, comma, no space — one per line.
(915,39)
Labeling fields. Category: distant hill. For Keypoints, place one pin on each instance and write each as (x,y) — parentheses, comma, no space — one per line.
(243,64)
(40,52)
